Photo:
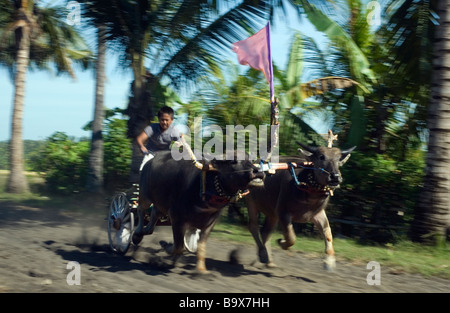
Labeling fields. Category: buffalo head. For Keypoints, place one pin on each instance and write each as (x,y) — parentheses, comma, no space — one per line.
(237,174)
(327,162)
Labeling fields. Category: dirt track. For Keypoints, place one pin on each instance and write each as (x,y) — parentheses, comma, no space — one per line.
(37,244)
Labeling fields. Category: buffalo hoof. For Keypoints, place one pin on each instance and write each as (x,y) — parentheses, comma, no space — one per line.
(202,271)
(148,230)
(168,247)
(175,259)
(329,263)
(271,265)
(283,244)
(137,238)
(263,256)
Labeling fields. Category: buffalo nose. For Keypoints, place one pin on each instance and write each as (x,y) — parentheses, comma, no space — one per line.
(258,174)
(335,177)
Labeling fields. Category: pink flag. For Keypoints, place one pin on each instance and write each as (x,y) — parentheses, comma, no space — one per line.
(255,52)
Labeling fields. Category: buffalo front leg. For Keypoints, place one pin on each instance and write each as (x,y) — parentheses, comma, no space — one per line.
(201,248)
(178,229)
(288,232)
(321,222)
(254,230)
(154,217)
(139,233)
(266,233)
(201,255)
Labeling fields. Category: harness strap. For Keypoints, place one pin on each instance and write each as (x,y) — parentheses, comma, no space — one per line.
(221,198)
(304,186)
(291,169)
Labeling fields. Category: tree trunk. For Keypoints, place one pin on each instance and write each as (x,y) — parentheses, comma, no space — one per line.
(95,171)
(138,115)
(17,182)
(432,216)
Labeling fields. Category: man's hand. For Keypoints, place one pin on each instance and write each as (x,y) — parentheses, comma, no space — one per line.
(144,150)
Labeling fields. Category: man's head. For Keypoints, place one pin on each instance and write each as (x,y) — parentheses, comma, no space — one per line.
(165,117)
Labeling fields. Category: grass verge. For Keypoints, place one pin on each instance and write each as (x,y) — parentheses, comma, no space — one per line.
(404,256)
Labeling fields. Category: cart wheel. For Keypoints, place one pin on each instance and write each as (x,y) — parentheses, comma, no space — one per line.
(120,223)
(191,239)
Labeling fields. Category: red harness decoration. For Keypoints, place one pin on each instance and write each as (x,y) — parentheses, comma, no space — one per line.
(222,200)
(327,191)
(215,200)
(310,187)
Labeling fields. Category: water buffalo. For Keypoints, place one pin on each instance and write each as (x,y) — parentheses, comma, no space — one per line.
(297,195)
(192,198)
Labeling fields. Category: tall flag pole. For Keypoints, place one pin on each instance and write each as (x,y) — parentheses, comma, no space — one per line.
(255,51)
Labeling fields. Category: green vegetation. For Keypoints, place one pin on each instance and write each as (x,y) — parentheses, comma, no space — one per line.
(403,256)
(31,148)
(61,160)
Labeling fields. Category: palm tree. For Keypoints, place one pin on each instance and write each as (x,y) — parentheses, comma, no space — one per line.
(95,167)
(31,33)
(432,217)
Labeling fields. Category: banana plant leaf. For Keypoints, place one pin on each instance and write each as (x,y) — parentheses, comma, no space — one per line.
(359,64)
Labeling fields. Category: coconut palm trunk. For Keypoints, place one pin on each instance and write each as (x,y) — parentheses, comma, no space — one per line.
(138,112)
(17,182)
(432,216)
(95,172)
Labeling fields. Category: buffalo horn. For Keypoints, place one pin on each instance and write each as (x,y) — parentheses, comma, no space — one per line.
(348,150)
(346,154)
(345,159)
(201,166)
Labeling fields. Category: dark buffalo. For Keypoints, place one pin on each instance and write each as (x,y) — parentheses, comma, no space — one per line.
(177,189)
(300,197)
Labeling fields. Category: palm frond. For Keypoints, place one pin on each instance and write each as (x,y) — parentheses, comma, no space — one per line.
(294,126)
(323,85)
(53,41)
(295,62)
(192,56)
(359,64)
(408,36)
(317,62)
(59,42)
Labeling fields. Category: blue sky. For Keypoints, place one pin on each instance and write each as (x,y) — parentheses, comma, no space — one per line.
(62,104)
